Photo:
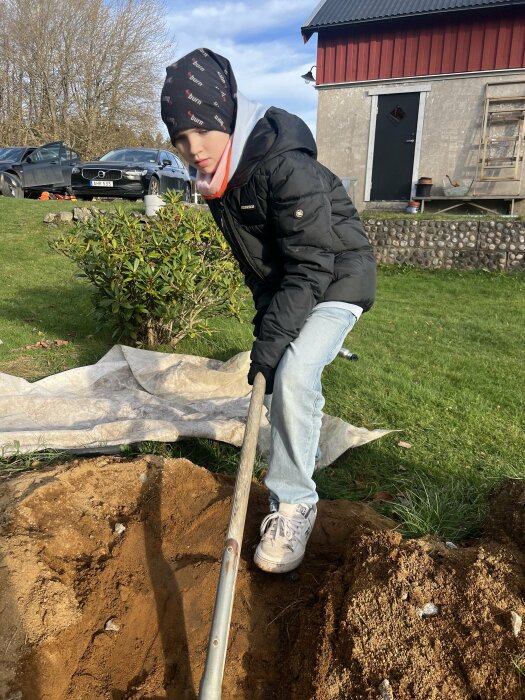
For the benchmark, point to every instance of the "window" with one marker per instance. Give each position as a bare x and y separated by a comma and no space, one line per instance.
397,114
176,161
11,155
45,154
70,154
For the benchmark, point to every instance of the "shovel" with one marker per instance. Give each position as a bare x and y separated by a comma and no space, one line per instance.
211,682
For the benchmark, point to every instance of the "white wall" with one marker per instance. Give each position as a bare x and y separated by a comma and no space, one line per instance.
449,138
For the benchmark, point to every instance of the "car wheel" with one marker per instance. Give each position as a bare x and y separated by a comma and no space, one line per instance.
11,186
154,186
86,197
186,197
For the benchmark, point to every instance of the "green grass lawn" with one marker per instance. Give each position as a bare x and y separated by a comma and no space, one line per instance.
441,360
41,294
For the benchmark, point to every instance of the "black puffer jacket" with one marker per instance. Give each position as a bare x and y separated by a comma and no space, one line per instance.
294,231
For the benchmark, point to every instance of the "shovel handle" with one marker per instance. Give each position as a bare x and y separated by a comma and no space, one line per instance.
211,682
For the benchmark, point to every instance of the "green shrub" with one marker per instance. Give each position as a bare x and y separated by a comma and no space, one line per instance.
157,279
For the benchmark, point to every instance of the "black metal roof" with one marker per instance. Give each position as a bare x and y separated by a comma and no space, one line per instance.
329,13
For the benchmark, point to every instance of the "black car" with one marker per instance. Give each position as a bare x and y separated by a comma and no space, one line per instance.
131,173
27,171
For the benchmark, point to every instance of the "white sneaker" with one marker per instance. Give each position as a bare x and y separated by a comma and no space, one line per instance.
284,535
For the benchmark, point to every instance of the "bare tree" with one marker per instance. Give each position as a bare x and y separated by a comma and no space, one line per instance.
88,72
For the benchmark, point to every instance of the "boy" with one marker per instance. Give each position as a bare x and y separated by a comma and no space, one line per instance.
304,255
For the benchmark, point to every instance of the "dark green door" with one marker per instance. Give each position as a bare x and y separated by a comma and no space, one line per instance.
394,146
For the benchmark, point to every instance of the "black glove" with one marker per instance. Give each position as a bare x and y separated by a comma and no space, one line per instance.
267,372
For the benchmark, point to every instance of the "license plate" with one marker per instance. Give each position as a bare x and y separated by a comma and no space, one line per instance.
101,183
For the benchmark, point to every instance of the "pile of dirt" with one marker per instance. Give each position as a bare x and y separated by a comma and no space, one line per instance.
109,572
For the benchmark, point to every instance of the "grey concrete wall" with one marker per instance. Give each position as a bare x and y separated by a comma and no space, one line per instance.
451,129
343,121
462,244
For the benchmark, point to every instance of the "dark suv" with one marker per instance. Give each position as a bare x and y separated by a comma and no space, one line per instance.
26,171
131,173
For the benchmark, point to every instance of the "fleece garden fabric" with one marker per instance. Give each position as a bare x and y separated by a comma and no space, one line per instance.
133,395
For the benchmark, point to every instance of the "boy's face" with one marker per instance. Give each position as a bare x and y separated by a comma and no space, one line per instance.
202,149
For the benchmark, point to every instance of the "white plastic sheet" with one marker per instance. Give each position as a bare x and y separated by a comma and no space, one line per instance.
133,395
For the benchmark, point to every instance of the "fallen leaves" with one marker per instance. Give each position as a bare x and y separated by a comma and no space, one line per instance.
46,344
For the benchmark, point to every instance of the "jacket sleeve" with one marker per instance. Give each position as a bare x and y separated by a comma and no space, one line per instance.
299,213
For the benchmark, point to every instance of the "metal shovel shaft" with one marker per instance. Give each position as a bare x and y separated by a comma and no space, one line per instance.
211,682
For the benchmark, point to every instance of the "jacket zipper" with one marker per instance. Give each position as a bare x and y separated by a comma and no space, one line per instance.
236,244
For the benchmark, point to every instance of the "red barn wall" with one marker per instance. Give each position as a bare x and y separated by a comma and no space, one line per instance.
422,46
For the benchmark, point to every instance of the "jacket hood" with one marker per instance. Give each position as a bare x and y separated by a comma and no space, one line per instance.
275,133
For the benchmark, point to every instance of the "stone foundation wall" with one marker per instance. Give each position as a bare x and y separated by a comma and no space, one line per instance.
447,244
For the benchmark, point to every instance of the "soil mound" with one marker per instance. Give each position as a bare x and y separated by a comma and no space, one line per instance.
109,572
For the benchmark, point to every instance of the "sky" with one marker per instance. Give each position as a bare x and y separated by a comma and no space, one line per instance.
263,42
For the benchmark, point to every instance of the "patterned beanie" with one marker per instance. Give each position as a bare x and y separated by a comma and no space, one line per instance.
199,93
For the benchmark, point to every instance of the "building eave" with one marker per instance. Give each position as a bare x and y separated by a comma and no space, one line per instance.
307,30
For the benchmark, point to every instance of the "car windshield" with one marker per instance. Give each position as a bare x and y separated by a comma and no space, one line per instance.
131,155
12,155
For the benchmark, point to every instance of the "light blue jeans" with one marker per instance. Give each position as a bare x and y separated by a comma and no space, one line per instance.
295,407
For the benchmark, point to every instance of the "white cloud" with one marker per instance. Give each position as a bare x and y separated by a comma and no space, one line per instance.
239,18
263,44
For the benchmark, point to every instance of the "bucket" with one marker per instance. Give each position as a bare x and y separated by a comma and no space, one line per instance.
152,203
455,188
412,208
424,187
423,190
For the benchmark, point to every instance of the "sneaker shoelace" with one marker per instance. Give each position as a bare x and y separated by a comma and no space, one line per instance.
278,525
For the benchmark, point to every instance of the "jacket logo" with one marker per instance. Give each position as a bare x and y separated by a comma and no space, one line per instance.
247,206
298,213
